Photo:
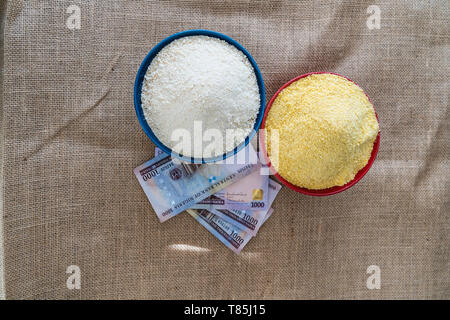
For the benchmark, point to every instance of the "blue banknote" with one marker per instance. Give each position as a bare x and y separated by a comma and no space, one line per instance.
249,193
249,220
173,186
229,234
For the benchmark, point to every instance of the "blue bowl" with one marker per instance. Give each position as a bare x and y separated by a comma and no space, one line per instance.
140,78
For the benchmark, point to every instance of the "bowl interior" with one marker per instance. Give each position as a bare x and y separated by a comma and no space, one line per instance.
138,89
311,192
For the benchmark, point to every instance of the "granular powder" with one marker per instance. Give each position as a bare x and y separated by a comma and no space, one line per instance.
327,128
204,82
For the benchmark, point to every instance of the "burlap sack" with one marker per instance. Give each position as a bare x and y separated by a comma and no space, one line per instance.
70,139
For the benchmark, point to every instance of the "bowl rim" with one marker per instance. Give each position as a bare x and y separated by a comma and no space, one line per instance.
319,192
138,91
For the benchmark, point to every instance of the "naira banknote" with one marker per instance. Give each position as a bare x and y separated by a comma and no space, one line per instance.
246,220
249,220
173,186
249,193
230,235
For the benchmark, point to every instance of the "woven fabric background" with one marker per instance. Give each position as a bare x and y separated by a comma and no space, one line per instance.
70,140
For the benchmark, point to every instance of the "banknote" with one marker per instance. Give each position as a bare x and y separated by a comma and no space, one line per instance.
249,220
173,186
246,220
249,193
231,236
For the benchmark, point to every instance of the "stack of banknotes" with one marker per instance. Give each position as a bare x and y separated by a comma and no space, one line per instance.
232,198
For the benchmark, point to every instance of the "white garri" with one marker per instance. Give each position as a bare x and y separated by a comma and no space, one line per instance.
206,81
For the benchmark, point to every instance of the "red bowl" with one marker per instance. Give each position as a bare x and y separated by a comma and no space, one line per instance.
311,192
